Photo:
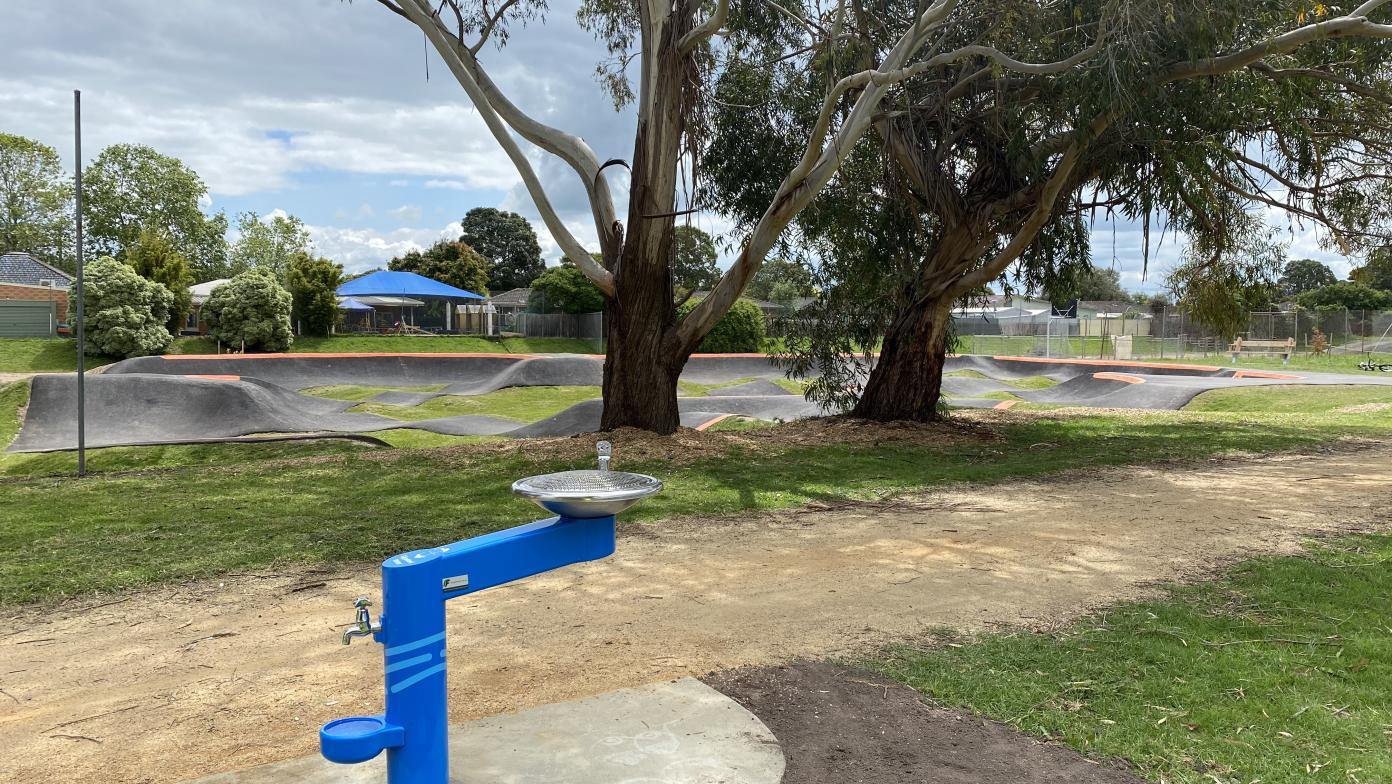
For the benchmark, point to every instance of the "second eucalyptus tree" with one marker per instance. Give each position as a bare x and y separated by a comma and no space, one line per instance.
985,169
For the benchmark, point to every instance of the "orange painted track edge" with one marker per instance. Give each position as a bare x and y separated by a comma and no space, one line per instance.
1005,405
332,355
1123,377
711,422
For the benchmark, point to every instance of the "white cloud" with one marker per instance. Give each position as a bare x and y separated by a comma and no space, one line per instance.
363,249
406,213
454,185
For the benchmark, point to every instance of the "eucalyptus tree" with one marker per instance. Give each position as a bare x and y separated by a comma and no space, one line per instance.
679,49
985,169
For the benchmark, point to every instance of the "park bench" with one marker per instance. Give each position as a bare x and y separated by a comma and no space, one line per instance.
1271,348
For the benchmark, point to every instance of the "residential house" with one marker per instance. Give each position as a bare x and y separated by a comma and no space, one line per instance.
33,296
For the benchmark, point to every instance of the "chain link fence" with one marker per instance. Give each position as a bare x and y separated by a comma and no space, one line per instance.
588,327
1170,333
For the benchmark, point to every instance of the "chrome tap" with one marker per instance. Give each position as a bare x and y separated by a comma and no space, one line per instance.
363,625
604,449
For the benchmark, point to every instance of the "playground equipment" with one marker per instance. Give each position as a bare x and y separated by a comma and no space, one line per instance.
415,586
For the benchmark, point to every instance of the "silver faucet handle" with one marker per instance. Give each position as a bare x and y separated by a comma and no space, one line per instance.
605,449
362,625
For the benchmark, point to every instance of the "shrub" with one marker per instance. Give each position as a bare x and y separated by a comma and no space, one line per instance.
565,289
124,314
251,311
741,330
155,258
313,285
1354,296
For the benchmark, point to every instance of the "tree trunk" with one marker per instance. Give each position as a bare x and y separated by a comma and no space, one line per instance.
645,356
644,360
906,382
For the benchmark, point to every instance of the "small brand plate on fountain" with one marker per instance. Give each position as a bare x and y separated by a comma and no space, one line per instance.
588,493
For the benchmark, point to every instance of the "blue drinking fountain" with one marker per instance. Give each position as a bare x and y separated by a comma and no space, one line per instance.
415,586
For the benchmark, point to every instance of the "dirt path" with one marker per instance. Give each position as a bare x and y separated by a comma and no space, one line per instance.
179,682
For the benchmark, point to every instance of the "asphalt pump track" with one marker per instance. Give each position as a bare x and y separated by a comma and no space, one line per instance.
209,398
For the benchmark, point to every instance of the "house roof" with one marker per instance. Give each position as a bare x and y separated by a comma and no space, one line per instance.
401,284
762,305
512,298
201,291
348,303
27,270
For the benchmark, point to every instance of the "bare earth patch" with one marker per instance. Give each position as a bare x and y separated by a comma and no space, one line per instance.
688,446
177,682
843,726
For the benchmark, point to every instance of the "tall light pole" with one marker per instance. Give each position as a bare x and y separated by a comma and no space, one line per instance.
81,335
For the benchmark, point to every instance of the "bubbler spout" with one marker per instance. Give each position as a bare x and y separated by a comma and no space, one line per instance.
363,625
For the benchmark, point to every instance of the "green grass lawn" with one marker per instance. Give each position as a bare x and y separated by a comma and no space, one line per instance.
123,530
1280,673
355,392
693,389
525,404
38,355
1332,363
1026,382
1368,403
24,355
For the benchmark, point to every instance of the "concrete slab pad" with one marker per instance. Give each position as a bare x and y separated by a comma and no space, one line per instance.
682,732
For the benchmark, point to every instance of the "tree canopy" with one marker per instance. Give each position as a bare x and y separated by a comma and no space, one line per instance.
1091,283
782,281
1027,119
1376,271
509,244
998,126
1345,294
693,261
313,283
564,289
131,187
268,243
35,202
448,261
154,258
1302,275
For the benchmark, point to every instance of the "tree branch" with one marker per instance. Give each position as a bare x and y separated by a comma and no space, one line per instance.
1266,69
1341,27
706,29
1039,217
452,51
489,25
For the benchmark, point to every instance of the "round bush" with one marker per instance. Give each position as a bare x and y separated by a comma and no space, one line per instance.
252,310
741,331
124,314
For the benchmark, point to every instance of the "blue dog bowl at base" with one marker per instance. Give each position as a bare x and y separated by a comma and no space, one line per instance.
358,739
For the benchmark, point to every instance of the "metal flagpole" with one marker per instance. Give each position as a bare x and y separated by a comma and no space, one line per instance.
81,333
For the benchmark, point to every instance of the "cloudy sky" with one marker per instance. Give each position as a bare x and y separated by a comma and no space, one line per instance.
323,109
